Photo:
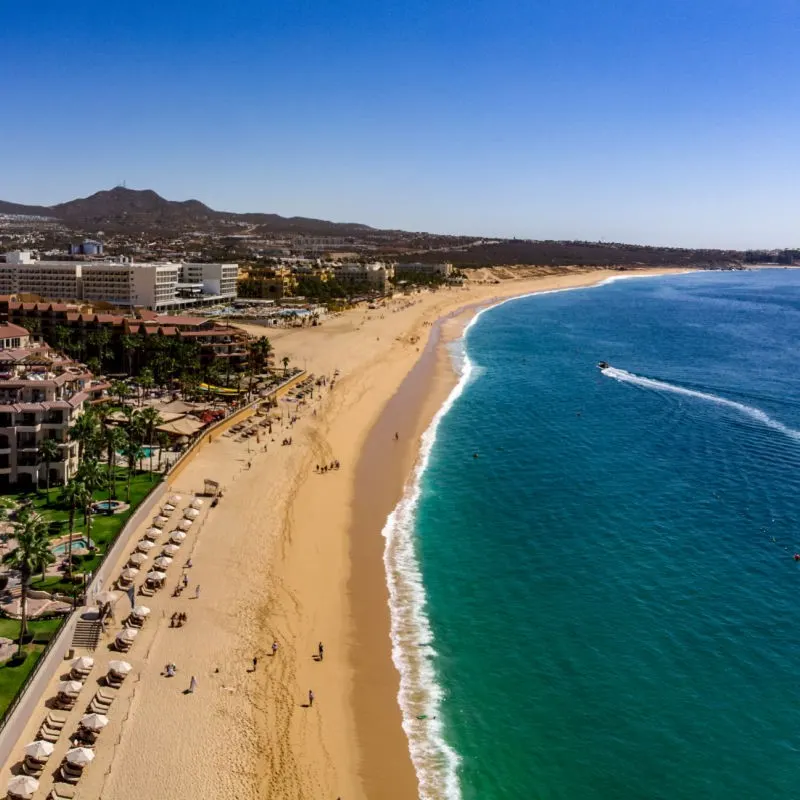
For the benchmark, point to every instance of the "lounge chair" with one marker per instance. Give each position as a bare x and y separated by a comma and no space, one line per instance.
69,773
32,768
62,791
114,681
48,734
54,719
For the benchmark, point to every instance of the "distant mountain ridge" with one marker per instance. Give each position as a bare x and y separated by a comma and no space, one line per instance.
122,209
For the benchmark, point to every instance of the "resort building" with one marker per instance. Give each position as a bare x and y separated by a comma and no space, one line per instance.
41,395
408,270
162,286
376,276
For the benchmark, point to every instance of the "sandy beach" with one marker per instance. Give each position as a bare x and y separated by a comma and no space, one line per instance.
293,556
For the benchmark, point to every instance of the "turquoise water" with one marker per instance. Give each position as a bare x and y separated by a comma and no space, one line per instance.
77,544
611,594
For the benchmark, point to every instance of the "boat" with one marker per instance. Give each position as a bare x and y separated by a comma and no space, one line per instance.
603,365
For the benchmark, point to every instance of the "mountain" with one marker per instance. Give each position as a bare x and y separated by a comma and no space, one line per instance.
132,210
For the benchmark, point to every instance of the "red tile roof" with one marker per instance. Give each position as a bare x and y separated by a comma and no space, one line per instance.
10,330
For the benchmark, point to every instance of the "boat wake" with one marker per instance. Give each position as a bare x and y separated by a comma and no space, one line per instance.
662,386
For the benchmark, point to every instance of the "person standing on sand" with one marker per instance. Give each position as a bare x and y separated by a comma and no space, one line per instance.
255,663
274,648
192,684
321,651
197,592
310,698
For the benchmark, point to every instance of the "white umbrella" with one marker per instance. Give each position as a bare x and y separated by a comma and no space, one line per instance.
168,508
94,722
83,663
196,503
155,575
138,558
101,598
39,750
80,756
70,688
145,545
119,667
170,549
127,634
129,573
175,499
162,562
177,536
23,786
191,513
140,611
153,533
160,521
185,524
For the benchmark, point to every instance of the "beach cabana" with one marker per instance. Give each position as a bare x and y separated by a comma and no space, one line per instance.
138,615
153,533
117,672
170,549
22,787
191,513
104,598
175,499
177,537
160,521
137,559
197,503
162,562
167,509
70,688
129,573
145,545
185,524
125,638
154,576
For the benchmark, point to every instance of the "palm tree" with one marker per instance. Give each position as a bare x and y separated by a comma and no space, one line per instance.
115,443
91,474
72,496
163,443
48,452
146,382
150,419
32,554
130,345
84,432
132,451
285,362
120,390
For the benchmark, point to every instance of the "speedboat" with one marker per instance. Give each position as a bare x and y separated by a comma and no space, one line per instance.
603,365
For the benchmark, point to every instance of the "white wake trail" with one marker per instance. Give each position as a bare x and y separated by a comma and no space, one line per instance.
754,413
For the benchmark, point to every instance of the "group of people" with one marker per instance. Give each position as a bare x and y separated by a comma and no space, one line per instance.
286,442
177,620
321,468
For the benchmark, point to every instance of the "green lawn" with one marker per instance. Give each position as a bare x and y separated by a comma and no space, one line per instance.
12,677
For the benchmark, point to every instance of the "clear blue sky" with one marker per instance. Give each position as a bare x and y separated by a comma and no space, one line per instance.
663,122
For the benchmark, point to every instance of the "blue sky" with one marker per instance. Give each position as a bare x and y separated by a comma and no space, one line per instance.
672,122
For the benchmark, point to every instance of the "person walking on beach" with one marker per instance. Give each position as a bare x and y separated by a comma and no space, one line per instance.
192,684
274,649
197,592
310,698
255,663
321,651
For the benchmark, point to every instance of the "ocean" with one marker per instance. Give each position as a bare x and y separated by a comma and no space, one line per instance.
592,579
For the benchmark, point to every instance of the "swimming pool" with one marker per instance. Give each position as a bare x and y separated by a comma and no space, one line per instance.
146,451
80,543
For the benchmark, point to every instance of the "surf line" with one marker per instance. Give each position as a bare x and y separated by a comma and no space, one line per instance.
650,383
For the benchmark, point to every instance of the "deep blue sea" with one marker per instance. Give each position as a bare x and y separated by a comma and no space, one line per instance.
604,603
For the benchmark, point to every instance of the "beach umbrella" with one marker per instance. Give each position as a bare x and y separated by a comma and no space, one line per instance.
101,598
177,536
39,750
175,499
119,667
22,786
153,533
140,611
83,663
170,549
129,573
162,562
157,576
80,756
145,545
185,524
191,513
196,503
160,521
168,509
138,558
94,722
127,634
70,688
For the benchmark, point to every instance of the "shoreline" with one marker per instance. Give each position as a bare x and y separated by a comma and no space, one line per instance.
296,556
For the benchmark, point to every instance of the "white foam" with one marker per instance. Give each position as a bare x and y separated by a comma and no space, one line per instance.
650,383
413,652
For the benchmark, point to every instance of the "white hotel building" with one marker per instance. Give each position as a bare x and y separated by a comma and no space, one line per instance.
157,286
